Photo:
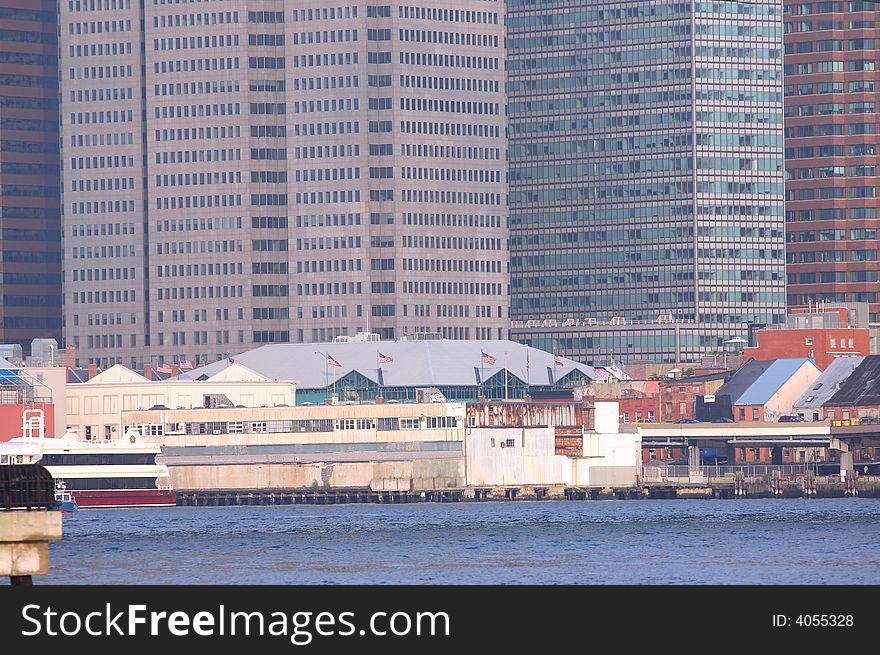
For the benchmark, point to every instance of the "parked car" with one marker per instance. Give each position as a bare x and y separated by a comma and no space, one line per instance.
645,420
721,420
791,418
687,420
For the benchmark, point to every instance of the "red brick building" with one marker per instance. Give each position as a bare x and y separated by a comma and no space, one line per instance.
822,345
831,152
680,396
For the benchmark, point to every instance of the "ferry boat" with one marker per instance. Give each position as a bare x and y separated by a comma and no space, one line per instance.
104,474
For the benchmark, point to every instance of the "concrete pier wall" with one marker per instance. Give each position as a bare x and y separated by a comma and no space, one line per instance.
415,475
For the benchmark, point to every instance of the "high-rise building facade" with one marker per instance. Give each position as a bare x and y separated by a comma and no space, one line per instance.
646,175
30,219
831,149
240,172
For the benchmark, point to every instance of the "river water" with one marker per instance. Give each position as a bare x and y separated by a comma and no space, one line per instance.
772,541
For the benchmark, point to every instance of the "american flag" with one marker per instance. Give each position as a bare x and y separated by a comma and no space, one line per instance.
385,359
165,368
186,365
488,359
332,362
557,360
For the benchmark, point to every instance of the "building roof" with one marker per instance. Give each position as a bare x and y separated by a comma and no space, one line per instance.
862,387
117,374
827,384
758,380
414,363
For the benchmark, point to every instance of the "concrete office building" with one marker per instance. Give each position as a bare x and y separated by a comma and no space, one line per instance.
249,171
831,84
646,175
30,220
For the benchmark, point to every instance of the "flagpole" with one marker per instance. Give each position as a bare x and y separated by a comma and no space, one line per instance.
505,376
528,370
482,375
378,375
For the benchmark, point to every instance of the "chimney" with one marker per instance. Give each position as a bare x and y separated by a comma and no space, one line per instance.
148,371
93,370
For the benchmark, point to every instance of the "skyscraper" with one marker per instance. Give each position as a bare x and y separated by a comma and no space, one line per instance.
30,220
831,84
269,171
646,175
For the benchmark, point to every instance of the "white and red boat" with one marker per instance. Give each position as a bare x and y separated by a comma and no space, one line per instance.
104,474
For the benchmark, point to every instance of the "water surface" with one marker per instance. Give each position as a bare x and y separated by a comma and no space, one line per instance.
750,541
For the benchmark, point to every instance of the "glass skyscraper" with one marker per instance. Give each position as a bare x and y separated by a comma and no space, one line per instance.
646,174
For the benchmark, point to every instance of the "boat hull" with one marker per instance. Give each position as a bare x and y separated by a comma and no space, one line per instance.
112,498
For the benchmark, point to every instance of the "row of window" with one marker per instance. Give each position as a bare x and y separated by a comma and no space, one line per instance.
448,83
222,223
448,61
452,265
231,291
193,42
459,197
103,297
90,274
831,108
95,117
829,214
346,150
826,193
830,297
189,270
342,127
454,243
449,174
456,220
321,197
328,243
187,156
340,104
830,129
854,150
200,133
195,19
99,27
449,38
199,179
193,65
101,207
828,277
831,256
194,88
188,202
454,288
110,139
829,45
103,184
192,247
328,265
193,111
198,315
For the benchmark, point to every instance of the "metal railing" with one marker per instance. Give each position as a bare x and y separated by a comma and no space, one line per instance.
26,486
658,473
